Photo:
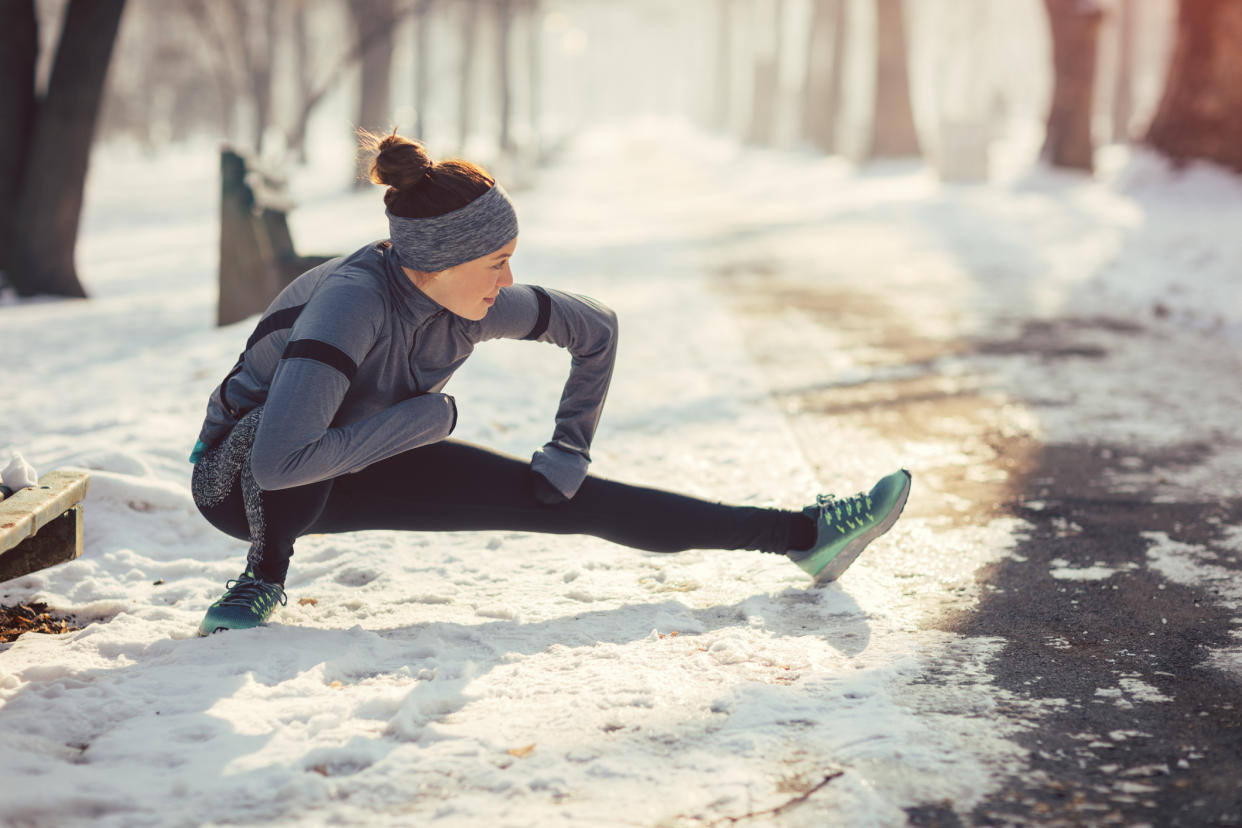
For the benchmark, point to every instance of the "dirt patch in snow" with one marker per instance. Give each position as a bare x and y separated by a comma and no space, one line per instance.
35,617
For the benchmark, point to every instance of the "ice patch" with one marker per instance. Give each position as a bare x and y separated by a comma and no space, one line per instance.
1228,660
1184,563
1098,572
1142,691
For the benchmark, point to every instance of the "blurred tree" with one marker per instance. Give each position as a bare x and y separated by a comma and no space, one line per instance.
202,21
504,66
892,129
825,61
767,89
723,75
1075,35
303,80
534,55
1200,112
19,52
45,143
375,79
240,35
254,27
156,87
1123,78
377,28
422,66
465,75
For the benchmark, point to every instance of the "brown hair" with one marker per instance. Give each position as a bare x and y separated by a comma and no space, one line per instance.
417,186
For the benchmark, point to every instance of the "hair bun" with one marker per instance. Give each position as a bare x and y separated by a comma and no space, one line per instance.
399,162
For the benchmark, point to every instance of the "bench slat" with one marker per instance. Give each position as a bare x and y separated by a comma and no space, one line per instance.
26,511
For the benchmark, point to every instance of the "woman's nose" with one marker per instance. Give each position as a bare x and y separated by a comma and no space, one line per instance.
506,278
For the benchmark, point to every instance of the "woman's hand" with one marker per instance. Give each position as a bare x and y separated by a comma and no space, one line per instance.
545,492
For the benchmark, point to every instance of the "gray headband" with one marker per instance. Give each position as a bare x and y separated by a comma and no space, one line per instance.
431,244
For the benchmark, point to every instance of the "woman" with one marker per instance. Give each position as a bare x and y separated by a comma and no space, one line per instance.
334,420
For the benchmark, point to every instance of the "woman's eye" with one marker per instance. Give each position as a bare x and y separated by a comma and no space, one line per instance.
500,266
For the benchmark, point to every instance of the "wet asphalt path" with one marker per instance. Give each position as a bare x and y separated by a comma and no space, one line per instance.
1128,722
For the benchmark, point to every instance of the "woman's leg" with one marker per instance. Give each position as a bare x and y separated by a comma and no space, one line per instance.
452,485
226,493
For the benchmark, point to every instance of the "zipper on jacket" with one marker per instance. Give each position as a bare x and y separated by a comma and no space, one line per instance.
418,390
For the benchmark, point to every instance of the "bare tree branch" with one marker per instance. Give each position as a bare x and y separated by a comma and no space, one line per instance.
364,41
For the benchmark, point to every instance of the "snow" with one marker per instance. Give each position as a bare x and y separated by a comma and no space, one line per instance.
513,679
1098,572
18,474
1185,563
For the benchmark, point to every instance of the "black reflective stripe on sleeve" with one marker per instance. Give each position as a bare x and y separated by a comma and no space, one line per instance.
545,313
321,352
277,321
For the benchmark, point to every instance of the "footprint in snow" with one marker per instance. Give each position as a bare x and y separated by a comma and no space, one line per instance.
355,577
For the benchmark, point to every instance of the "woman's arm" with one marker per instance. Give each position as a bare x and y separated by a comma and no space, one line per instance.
588,330
296,443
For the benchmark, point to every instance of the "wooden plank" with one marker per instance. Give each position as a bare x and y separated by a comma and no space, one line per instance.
27,511
57,542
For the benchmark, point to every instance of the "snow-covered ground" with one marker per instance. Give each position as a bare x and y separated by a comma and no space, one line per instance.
515,679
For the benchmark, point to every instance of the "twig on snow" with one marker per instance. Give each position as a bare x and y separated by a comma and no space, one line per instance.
784,806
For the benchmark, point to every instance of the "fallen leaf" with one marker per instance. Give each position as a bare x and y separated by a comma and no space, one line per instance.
336,685
322,770
304,601
522,752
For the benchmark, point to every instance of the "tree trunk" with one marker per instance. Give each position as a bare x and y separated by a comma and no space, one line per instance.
303,84
767,90
892,130
19,53
422,66
470,18
504,60
50,205
724,65
535,78
1200,112
1123,80
1075,36
374,98
261,74
825,60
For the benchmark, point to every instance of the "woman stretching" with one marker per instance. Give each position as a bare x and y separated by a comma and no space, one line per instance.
334,420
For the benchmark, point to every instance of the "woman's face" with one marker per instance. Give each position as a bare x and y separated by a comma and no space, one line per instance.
470,288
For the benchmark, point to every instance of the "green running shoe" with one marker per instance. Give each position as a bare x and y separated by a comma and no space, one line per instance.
845,527
247,602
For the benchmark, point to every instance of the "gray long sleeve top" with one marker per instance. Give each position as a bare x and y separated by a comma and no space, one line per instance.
349,362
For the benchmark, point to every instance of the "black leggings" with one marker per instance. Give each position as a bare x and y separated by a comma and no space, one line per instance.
452,485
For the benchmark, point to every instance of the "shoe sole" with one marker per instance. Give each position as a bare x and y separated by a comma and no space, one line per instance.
836,567
203,632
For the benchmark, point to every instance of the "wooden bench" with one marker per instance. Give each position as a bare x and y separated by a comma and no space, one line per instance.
257,256
42,526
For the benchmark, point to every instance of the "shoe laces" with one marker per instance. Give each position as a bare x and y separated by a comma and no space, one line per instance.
246,591
850,511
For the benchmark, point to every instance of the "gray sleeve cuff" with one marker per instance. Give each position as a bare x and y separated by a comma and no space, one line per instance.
563,469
